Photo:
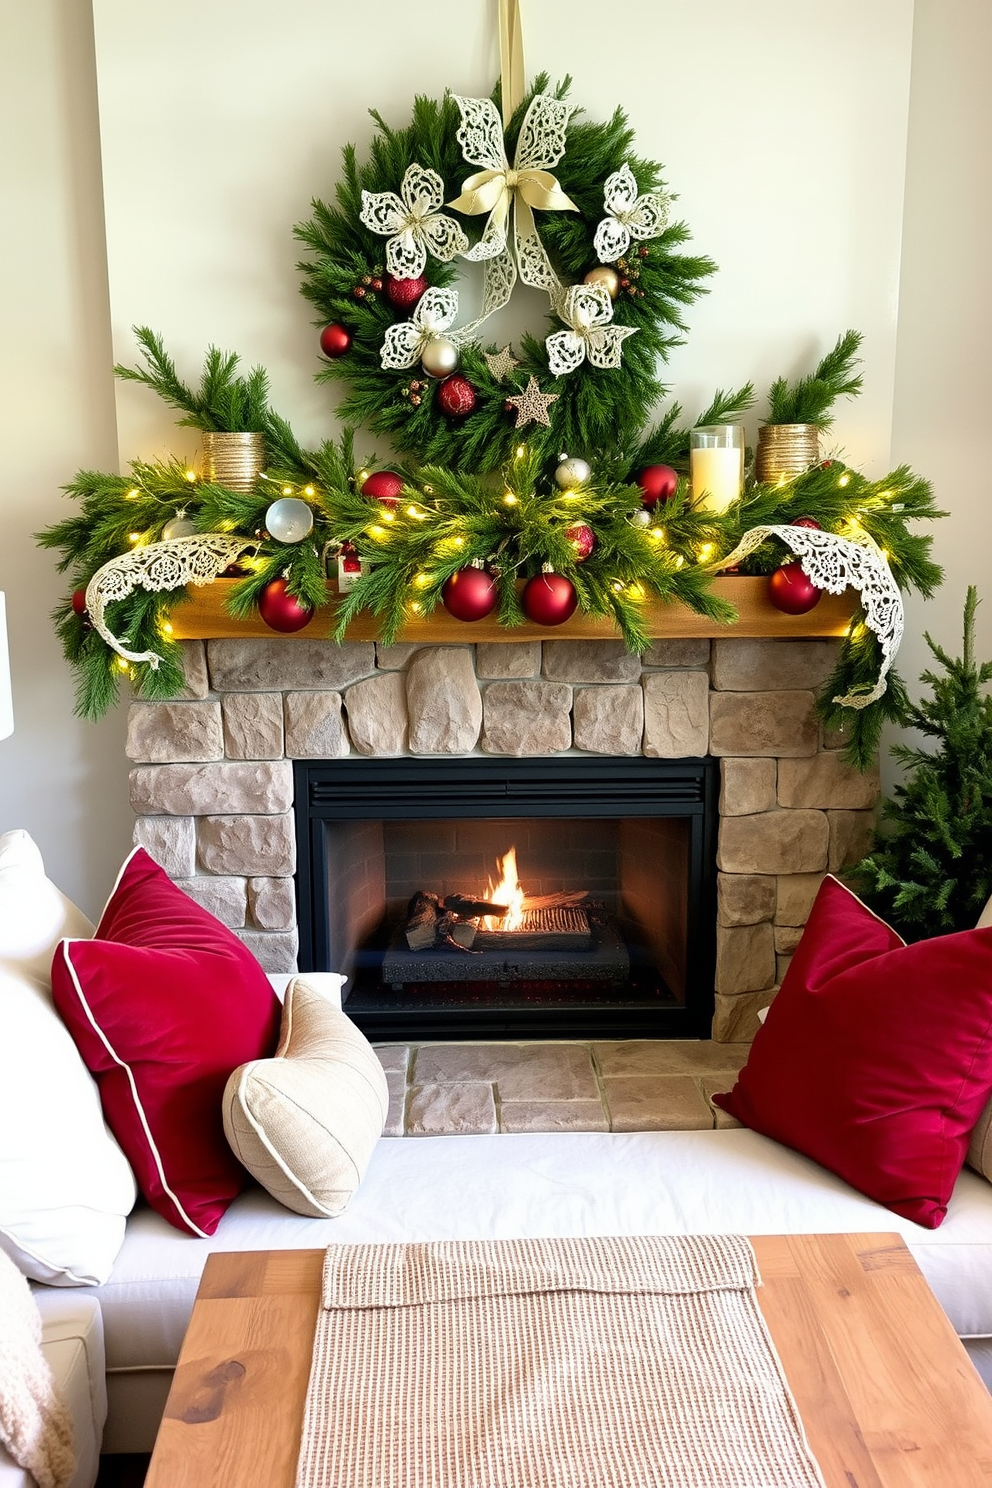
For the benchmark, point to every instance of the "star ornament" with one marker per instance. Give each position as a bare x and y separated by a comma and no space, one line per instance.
532,405
500,363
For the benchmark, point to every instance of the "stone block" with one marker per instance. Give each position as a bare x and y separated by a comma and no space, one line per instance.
696,1057
249,845
735,1019
743,665
747,786
656,1103
394,1058
174,733
787,937
609,719
272,903
200,790
782,964
782,724
524,718
550,1115
273,952
394,658
745,958
253,727
225,898
826,780
590,661
676,715
851,836
836,738
194,670
559,1070
396,1115
315,727
377,716
796,892
443,701
679,651
722,1120
170,840
745,898
499,661
451,1110
774,842
261,665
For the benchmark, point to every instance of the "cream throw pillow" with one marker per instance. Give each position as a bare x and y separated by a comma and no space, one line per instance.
305,1122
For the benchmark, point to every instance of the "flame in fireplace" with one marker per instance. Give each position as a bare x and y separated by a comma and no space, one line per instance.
507,891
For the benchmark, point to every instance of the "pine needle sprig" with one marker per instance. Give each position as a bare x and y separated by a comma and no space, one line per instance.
225,402
810,399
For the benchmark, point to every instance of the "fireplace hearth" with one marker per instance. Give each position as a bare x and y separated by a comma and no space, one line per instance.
616,863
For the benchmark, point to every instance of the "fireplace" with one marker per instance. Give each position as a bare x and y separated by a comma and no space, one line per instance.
618,855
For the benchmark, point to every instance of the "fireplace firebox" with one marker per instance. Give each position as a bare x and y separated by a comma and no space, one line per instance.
614,862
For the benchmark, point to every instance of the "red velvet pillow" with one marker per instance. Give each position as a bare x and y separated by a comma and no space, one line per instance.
876,1056
163,1004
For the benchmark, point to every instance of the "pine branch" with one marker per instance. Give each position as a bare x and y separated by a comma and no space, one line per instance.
809,400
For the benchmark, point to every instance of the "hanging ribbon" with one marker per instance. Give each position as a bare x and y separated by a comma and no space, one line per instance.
836,563
511,58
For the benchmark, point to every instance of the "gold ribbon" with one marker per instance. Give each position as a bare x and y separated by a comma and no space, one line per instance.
511,58
493,191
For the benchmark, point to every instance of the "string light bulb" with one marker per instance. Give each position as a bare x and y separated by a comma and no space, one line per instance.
191,475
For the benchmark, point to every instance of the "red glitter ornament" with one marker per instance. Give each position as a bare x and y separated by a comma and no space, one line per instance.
335,340
79,601
383,485
469,594
810,522
403,294
657,483
549,599
791,591
282,611
456,396
581,540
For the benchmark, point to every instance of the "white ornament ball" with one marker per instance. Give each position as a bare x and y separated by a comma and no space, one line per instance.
641,518
178,527
440,357
573,472
289,520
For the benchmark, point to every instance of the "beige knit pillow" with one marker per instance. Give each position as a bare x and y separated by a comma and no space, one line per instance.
305,1122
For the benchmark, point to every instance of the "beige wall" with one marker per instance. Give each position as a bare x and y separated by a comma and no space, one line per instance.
64,780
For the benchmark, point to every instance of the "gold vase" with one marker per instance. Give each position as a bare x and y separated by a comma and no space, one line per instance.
785,451
232,460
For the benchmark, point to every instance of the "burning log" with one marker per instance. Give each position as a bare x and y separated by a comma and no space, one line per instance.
467,909
430,922
423,916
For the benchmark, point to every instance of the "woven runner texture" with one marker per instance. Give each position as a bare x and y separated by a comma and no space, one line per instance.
586,1363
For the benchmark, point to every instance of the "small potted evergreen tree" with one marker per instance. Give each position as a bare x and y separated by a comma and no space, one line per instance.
789,439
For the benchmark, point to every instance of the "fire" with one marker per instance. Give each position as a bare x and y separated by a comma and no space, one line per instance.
507,891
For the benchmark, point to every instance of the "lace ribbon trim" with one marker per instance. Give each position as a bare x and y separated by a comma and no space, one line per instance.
836,563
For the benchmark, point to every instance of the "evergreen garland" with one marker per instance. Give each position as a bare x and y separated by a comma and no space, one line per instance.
930,871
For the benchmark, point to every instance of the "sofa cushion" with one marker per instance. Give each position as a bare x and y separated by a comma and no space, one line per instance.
876,1056
305,1122
65,1185
164,1002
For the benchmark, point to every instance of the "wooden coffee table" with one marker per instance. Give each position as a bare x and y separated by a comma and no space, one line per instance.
887,1394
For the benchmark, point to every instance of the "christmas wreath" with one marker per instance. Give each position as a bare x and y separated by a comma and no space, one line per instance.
528,484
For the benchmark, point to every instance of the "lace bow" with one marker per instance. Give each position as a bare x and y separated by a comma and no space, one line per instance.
413,224
629,215
406,340
587,310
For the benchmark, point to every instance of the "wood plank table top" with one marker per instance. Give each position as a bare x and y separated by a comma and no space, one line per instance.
887,1393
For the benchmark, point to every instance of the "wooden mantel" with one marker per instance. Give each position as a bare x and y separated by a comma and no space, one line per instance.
204,616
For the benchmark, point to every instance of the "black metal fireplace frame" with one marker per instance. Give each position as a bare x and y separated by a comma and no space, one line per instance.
482,786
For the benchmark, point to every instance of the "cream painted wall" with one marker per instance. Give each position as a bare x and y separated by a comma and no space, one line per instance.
66,781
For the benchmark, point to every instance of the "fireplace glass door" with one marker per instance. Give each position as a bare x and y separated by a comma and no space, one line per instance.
482,898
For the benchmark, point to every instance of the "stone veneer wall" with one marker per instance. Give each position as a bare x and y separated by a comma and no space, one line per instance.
212,783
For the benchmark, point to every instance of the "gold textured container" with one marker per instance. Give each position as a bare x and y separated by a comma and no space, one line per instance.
232,460
785,450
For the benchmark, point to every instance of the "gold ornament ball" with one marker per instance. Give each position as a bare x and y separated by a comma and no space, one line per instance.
440,357
609,278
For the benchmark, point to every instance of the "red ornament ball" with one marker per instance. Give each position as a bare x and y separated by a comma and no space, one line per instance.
383,485
335,340
79,601
581,540
403,294
657,483
791,591
810,522
469,594
549,599
281,611
456,396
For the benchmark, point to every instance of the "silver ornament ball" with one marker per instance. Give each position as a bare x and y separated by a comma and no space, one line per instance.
641,519
178,527
289,520
572,472
440,357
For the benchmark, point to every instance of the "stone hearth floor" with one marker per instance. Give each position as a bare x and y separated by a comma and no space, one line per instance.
628,1086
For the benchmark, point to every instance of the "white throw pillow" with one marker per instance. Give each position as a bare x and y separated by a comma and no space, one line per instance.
305,1122
65,1185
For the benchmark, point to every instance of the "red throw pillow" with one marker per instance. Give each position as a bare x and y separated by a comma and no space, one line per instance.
163,1004
876,1056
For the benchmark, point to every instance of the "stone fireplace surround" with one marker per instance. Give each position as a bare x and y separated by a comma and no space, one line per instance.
212,777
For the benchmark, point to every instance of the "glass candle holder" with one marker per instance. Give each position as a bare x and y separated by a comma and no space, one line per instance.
716,465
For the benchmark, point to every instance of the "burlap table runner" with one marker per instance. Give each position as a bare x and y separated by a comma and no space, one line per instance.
589,1363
